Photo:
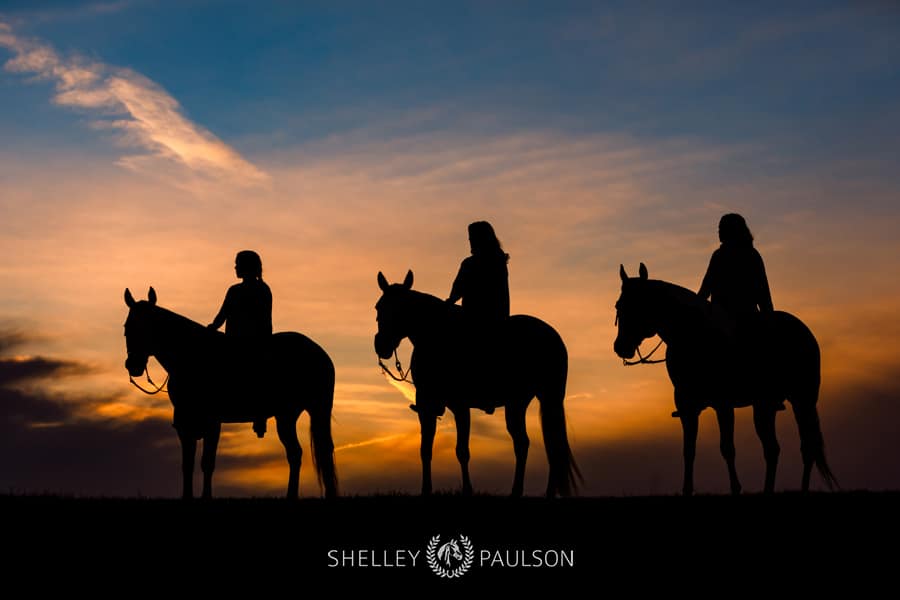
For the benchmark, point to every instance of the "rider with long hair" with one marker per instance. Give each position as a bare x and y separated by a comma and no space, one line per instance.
483,279
736,277
247,314
482,284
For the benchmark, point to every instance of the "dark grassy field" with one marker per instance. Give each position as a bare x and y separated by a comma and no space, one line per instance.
784,540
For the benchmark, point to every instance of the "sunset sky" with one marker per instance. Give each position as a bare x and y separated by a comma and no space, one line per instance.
146,142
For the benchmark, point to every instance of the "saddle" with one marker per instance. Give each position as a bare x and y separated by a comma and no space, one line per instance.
738,353
248,366
487,345
484,348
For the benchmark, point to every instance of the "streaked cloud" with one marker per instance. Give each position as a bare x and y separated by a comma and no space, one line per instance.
144,116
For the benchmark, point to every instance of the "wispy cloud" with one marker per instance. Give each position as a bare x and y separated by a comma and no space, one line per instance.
146,117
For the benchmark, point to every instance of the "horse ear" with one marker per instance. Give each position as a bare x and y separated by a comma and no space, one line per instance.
643,272
382,282
129,299
407,281
622,272
151,295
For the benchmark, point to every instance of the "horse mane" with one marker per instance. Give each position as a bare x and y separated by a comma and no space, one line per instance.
179,320
680,294
432,302
691,308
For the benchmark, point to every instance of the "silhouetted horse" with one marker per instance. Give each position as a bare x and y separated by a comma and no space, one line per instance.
534,363
779,360
211,382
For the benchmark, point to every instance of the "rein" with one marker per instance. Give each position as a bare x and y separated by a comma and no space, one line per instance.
644,360
386,369
158,389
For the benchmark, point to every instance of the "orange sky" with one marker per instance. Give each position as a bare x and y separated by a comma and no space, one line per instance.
324,228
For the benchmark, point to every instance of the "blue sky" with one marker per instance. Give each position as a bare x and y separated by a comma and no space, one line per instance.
804,76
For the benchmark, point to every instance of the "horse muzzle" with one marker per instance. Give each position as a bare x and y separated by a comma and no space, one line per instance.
623,350
135,368
383,348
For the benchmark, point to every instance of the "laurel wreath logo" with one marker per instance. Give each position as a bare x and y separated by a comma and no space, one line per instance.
438,568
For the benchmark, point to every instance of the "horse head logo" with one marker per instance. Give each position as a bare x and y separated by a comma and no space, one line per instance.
447,550
450,559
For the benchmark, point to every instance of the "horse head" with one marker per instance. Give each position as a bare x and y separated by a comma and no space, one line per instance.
392,312
449,549
632,314
139,332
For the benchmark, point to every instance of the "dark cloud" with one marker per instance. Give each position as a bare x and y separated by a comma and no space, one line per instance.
11,338
15,370
46,447
90,458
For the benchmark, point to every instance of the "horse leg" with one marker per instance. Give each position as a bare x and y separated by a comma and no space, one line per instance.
463,427
764,421
515,425
725,416
689,424
428,425
208,460
188,450
287,433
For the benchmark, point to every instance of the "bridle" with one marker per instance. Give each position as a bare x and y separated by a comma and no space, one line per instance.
642,360
386,369
156,388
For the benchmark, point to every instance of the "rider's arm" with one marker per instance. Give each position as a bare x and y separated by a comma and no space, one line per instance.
706,286
456,292
223,314
763,294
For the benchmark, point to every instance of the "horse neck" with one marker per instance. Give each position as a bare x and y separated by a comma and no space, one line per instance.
428,317
677,311
176,338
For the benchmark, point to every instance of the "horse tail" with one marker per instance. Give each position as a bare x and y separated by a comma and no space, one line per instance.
812,442
564,473
320,439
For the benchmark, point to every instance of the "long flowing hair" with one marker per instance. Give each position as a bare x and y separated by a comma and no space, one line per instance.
733,231
484,241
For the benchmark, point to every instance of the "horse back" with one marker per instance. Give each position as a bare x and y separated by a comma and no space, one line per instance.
232,383
524,351
775,355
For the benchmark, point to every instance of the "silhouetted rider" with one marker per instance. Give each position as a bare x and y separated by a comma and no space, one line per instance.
736,280
247,314
736,277
483,286
483,279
